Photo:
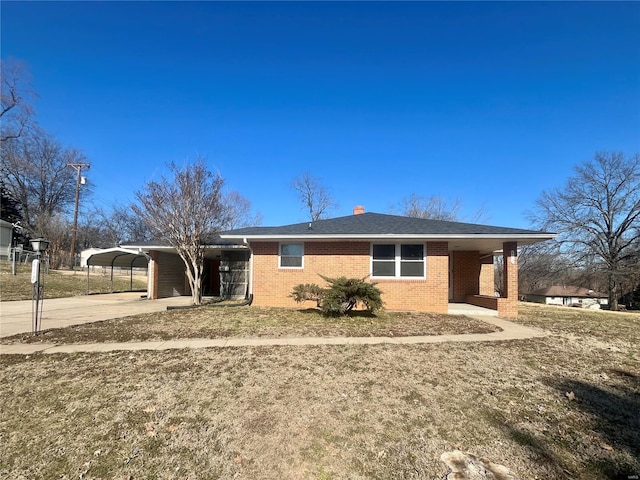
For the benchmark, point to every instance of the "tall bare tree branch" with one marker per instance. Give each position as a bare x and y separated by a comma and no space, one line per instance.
314,197
436,207
17,97
597,214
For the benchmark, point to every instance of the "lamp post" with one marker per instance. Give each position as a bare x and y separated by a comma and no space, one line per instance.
39,246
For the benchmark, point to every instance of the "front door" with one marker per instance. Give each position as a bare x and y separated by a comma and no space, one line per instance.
211,278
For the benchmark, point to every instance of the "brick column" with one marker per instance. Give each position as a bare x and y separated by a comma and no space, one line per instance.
508,306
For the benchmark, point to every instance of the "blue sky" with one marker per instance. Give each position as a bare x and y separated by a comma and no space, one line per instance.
488,102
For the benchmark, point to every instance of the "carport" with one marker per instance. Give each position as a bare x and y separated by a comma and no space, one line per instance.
117,257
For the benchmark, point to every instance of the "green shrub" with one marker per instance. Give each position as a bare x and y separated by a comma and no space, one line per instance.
307,292
341,296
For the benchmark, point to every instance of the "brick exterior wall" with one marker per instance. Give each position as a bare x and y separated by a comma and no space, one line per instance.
487,276
272,285
473,280
466,274
485,301
472,275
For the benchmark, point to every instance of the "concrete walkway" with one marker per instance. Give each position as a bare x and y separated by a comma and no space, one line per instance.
510,331
15,317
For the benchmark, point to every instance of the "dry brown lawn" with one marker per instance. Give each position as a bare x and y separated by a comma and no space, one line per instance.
60,284
564,406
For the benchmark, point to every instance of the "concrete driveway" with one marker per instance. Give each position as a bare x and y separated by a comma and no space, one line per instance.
15,317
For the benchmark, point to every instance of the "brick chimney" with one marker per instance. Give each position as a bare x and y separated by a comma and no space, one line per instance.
358,210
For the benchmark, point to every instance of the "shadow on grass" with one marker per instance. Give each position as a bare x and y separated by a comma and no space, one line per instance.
615,415
612,412
537,448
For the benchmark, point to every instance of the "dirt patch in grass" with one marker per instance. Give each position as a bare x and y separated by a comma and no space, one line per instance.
222,322
545,408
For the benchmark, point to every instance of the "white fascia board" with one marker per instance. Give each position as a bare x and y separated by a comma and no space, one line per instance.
442,237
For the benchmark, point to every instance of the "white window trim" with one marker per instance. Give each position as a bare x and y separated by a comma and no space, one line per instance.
280,256
398,261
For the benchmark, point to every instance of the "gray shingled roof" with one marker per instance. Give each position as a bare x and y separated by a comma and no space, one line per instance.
379,224
213,241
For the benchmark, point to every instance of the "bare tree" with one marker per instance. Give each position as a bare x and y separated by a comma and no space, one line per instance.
314,197
35,173
597,215
542,265
435,207
119,225
239,212
57,229
17,96
186,210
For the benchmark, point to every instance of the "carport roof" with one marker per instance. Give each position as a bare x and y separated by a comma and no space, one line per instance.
118,257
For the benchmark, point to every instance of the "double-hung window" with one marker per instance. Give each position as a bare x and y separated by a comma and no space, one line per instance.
398,260
291,255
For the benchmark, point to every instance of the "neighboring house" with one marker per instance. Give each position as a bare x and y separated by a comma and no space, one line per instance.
418,264
225,270
6,239
86,253
569,296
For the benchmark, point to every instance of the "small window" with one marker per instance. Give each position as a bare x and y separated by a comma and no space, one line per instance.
398,260
291,255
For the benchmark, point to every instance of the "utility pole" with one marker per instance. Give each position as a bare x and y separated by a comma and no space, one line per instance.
78,166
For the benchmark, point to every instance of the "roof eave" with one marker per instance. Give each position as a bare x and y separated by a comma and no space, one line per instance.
395,236
169,247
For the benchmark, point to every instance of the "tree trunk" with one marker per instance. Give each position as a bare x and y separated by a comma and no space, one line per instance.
196,288
195,282
196,291
613,292
194,275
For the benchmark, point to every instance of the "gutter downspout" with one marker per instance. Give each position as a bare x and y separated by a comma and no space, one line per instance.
250,279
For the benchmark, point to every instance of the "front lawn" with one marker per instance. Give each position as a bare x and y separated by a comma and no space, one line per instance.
559,407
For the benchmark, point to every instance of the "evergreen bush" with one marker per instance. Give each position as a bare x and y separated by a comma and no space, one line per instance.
341,296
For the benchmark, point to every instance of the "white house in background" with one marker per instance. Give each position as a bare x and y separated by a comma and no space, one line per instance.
6,239
568,295
86,253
